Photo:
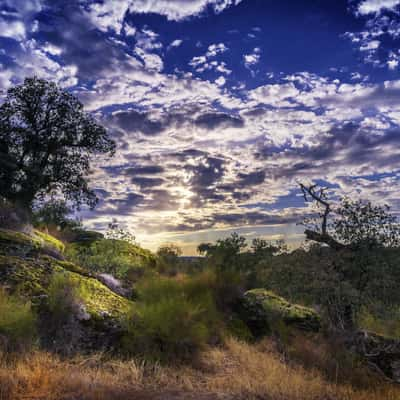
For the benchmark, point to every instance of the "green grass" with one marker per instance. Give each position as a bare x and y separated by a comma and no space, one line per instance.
172,319
17,323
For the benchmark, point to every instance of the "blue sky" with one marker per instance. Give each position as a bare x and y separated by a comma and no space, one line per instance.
220,107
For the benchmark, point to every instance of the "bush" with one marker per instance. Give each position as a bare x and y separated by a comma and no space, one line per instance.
172,319
17,323
109,256
61,331
228,287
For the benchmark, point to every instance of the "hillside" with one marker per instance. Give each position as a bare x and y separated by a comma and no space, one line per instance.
273,348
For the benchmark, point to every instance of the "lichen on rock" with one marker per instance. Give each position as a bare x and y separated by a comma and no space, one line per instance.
261,309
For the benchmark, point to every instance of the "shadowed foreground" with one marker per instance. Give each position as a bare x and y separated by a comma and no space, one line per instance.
238,371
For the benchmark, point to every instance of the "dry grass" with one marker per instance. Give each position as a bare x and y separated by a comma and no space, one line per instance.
238,371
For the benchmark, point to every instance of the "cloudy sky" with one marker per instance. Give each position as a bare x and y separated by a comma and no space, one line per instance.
220,107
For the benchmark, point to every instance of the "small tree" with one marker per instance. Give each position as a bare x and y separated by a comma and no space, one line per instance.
46,144
358,233
115,232
263,249
225,253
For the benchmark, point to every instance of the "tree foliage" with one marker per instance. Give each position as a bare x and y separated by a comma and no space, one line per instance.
46,144
115,232
54,213
355,268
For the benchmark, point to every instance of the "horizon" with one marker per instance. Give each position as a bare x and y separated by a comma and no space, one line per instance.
220,107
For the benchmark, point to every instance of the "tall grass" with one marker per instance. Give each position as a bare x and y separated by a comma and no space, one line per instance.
17,323
172,319
235,371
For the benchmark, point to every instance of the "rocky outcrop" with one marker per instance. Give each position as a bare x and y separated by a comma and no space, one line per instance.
262,310
23,245
381,353
27,267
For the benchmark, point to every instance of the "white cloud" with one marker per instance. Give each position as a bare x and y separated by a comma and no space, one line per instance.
129,30
12,29
393,64
176,43
177,9
215,49
207,61
220,81
253,58
109,14
375,6
371,45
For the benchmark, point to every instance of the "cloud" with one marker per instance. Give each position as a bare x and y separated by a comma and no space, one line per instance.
12,29
145,182
176,43
375,6
214,120
207,62
177,10
252,58
135,121
109,15
378,41
196,152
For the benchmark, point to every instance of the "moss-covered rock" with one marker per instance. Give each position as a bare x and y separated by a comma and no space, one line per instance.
48,241
23,245
28,267
31,278
262,310
18,243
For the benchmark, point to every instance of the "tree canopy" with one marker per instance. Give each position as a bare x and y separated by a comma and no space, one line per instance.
47,141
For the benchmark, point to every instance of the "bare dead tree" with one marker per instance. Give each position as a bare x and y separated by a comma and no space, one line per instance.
314,193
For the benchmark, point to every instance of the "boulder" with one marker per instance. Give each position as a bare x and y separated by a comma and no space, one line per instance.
27,267
30,245
262,310
382,353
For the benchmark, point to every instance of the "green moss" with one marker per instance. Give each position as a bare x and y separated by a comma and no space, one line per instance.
263,308
31,278
49,241
98,299
21,244
18,243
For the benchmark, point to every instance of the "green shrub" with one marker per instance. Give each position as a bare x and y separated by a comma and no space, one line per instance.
17,323
172,319
63,295
116,257
60,328
386,323
238,329
228,286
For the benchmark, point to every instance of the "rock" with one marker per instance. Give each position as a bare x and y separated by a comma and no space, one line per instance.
382,353
261,309
82,314
29,245
114,284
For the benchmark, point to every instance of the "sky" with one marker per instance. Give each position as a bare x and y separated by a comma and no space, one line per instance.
219,108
